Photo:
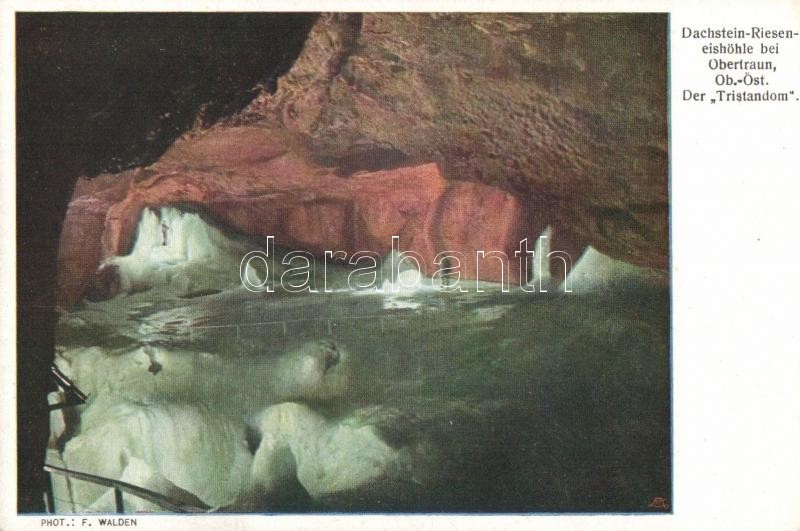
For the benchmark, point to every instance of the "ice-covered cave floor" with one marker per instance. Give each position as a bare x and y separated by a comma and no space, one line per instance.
427,401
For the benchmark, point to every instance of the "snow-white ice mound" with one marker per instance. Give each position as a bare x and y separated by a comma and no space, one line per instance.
140,474
190,446
592,271
174,422
313,370
325,456
597,271
181,252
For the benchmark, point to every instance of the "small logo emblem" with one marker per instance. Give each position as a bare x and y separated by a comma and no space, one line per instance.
659,503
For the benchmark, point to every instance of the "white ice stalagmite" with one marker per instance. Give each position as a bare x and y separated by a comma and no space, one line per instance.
540,266
402,277
401,280
182,252
597,271
592,272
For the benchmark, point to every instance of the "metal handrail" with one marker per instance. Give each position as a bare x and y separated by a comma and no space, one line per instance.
120,487
75,396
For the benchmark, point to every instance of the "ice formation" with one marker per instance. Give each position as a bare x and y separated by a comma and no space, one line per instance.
174,421
311,371
197,450
140,474
326,456
182,252
592,271
596,271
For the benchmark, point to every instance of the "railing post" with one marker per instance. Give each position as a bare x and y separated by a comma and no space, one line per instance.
49,499
118,500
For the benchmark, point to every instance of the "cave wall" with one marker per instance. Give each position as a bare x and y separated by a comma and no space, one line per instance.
248,179
569,111
100,92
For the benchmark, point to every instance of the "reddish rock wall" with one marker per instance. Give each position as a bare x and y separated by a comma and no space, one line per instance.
457,132
248,180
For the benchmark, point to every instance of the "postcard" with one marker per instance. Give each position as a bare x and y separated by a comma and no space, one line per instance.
314,267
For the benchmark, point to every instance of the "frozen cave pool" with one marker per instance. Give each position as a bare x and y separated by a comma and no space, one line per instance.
336,402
